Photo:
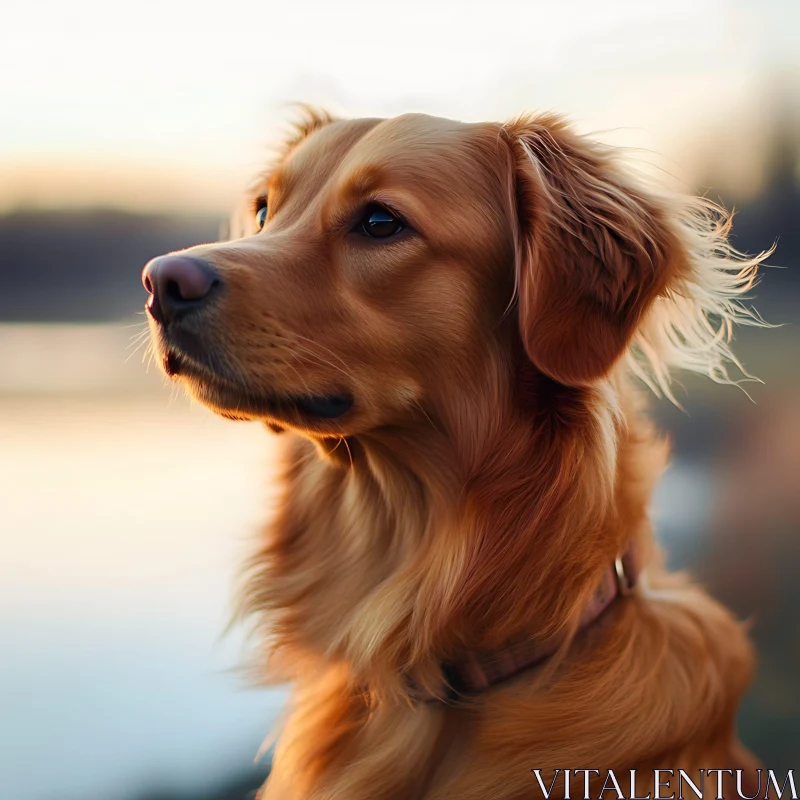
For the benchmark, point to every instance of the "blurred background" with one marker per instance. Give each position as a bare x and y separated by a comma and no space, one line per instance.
124,510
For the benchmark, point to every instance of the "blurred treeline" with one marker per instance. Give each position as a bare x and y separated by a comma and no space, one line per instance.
83,266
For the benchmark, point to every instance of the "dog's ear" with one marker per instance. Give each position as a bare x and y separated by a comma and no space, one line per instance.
594,250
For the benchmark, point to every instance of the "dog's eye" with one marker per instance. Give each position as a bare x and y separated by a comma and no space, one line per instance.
261,216
379,223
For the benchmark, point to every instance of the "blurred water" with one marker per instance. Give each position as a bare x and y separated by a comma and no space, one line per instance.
123,522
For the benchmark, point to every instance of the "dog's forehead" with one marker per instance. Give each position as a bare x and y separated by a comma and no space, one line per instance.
323,150
417,145
417,133
414,143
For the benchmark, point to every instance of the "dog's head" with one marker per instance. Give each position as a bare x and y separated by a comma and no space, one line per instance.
391,268
455,299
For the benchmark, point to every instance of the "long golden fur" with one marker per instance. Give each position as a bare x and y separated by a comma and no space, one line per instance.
496,458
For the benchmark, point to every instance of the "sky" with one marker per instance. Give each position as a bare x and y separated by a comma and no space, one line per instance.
172,105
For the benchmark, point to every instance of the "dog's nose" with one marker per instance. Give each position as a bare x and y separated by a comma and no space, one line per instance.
177,285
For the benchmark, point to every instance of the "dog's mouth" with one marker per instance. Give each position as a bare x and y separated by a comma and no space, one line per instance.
230,398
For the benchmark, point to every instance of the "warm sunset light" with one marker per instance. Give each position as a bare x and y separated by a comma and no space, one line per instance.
171,106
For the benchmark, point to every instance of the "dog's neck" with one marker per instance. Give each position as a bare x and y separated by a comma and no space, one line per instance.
396,552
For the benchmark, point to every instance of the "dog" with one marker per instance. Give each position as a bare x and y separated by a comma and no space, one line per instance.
455,326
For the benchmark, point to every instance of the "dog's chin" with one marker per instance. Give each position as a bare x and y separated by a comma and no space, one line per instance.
230,399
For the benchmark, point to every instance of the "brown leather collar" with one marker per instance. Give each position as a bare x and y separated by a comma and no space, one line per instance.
477,672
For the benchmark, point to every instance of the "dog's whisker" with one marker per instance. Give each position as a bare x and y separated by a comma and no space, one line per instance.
292,352
138,347
136,343
321,347
322,361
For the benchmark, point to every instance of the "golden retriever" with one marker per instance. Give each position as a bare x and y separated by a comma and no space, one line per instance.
449,321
